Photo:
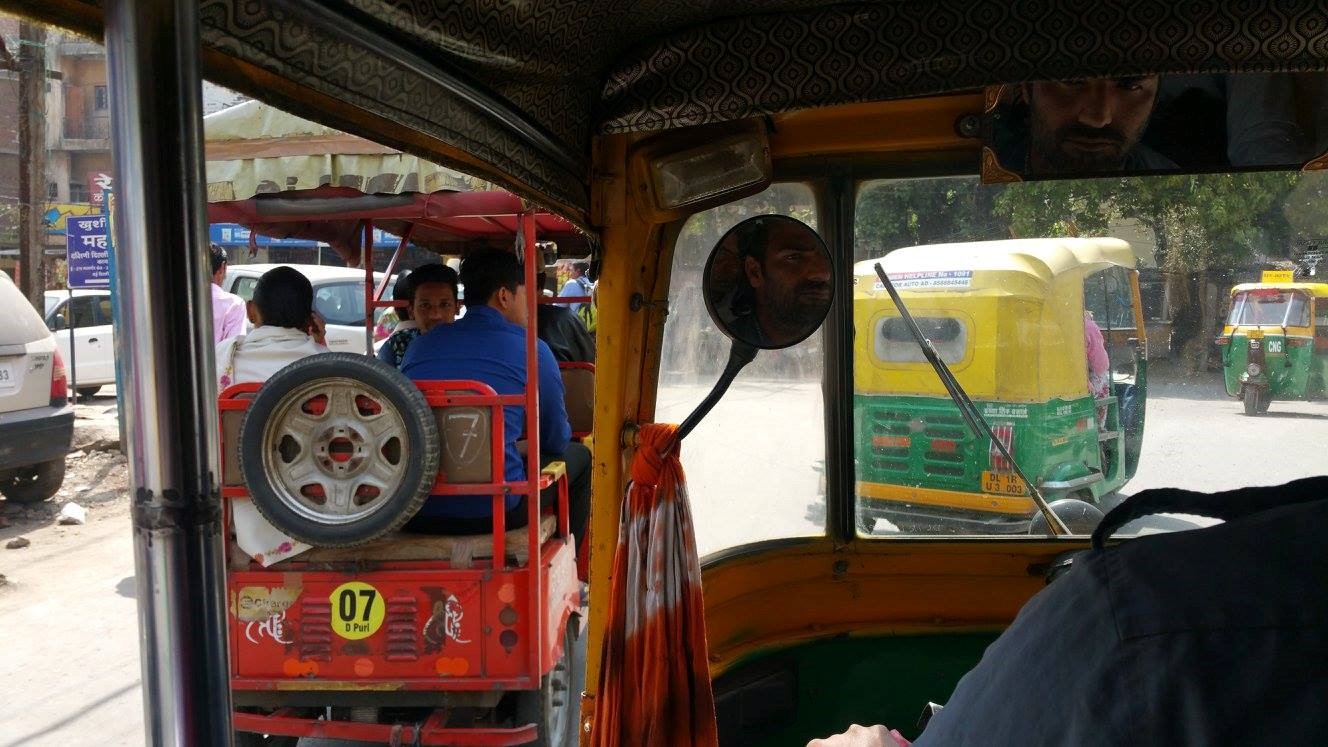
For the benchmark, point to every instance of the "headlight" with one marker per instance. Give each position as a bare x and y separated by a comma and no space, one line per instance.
1253,369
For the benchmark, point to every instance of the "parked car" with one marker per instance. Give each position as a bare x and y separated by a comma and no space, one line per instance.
36,419
89,312
338,298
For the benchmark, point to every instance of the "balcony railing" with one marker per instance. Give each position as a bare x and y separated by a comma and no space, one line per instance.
92,128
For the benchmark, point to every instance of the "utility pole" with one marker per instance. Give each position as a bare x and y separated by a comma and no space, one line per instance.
32,159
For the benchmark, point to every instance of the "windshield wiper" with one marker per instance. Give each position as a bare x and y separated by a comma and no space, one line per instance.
976,423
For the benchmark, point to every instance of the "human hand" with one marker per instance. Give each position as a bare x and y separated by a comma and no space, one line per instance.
862,736
317,328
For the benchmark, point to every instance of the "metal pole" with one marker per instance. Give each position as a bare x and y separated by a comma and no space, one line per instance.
73,353
169,394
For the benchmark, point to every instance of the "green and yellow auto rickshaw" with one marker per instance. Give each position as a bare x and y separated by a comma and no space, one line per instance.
1275,343
1008,318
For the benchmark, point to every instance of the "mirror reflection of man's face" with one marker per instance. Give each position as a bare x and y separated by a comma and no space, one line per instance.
1087,125
791,282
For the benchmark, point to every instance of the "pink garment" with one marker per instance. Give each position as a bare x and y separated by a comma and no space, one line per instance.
1099,365
228,315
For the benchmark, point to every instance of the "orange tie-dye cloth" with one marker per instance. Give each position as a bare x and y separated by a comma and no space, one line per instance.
654,681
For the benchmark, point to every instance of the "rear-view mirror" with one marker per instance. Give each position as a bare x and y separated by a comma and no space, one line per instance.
769,282
1155,124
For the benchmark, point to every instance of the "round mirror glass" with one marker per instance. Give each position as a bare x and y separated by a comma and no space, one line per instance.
769,282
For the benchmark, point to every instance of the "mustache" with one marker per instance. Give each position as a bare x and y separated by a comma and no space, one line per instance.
1091,133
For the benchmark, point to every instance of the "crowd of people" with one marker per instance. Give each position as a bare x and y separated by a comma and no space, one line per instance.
434,339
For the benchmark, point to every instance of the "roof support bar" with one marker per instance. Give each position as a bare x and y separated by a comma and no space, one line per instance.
165,376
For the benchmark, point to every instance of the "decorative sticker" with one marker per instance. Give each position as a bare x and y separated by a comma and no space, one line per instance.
357,610
274,627
945,279
260,603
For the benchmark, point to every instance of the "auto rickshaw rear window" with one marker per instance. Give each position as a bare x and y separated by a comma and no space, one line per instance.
895,344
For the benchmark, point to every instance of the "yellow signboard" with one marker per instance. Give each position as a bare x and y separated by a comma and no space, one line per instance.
1278,276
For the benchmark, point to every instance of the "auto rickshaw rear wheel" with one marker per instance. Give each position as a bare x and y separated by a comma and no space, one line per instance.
338,449
556,706
1256,400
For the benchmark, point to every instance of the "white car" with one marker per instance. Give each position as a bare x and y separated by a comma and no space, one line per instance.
338,298
36,419
94,341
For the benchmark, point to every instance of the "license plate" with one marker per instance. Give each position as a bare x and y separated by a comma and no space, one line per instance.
1002,483
8,377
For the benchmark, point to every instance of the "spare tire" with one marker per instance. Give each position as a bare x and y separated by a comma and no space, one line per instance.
338,449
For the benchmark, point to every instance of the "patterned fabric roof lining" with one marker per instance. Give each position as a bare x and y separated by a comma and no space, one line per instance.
550,57
575,67
762,65
312,55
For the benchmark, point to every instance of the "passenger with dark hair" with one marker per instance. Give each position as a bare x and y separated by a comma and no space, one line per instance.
577,285
561,329
287,329
488,344
431,292
228,312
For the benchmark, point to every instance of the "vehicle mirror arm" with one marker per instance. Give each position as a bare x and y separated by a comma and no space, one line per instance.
740,354
976,423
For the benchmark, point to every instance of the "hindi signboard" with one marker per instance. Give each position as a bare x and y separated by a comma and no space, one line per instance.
89,251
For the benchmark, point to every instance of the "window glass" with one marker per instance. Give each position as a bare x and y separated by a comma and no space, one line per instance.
340,303
754,465
85,311
244,287
102,314
1084,318
1270,306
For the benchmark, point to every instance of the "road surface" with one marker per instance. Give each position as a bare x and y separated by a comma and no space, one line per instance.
70,649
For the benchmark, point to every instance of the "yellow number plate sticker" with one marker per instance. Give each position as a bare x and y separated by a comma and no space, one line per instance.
357,610
1002,483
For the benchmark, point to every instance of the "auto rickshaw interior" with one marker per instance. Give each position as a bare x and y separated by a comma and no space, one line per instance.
816,605
1063,209
822,609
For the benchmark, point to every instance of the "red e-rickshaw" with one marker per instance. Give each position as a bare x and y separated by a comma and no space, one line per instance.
375,634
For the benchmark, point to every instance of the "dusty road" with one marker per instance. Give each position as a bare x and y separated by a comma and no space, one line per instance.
70,648
749,464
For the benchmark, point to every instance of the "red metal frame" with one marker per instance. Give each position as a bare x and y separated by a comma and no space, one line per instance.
284,723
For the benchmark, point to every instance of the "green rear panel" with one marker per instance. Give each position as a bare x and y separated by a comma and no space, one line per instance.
1048,441
1291,371
790,696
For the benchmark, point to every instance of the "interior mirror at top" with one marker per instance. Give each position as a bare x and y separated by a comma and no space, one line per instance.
1155,124
769,282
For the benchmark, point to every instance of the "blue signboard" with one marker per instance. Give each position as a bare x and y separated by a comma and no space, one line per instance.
233,234
87,240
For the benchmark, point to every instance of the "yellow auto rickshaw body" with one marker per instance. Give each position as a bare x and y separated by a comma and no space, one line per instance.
1008,319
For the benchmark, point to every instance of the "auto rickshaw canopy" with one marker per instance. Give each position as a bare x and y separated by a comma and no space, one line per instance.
1318,290
1017,308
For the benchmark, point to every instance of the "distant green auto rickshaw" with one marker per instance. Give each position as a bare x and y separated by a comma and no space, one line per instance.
1275,343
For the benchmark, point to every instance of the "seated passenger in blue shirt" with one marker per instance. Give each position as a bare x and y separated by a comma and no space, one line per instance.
488,345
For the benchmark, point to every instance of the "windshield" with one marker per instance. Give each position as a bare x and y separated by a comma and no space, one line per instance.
1270,306
1080,318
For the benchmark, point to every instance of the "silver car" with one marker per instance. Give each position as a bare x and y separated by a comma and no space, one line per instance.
36,419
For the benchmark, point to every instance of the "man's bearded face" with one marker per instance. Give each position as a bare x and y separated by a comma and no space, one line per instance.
793,279
1087,125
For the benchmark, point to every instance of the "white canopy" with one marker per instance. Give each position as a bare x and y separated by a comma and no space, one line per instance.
253,148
